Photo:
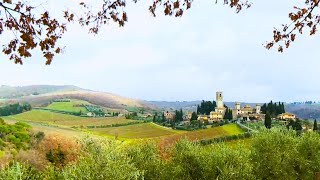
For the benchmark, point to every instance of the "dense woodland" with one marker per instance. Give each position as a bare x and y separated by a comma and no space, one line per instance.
273,109
206,107
16,108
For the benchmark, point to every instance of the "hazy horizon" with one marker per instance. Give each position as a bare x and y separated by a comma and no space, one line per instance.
209,49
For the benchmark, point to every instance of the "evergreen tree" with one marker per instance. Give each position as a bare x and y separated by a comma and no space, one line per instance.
228,114
315,125
194,116
268,121
181,115
282,108
298,125
264,108
198,109
163,118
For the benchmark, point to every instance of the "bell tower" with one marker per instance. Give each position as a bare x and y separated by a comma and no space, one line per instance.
219,100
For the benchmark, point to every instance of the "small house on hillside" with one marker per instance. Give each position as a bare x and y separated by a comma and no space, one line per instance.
91,114
286,116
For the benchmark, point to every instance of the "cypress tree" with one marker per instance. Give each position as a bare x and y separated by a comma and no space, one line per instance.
194,116
163,118
315,125
181,115
267,121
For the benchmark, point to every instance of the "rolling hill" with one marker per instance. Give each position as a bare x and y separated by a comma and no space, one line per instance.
42,95
8,92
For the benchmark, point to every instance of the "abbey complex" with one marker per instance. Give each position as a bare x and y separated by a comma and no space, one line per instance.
238,111
219,111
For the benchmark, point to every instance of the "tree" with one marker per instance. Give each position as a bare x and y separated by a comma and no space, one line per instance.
33,27
155,117
297,125
315,125
206,107
228,114
181,115
268,121
194,116
274,109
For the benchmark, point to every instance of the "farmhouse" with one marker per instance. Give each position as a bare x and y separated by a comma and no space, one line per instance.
90,114
202,118
168,115
287,116
188,116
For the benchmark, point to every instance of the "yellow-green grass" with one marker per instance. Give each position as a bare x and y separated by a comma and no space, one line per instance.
209,133
68,106
145,130
235,143
66,119
97,121
232,129
44,116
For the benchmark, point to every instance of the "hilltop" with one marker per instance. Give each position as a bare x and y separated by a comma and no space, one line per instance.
42,95
8,92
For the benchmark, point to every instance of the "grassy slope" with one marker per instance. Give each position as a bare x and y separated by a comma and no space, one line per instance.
229,129
68,106
167,135
64,119
146,130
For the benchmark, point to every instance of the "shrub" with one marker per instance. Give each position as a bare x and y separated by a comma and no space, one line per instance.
39,136
59,150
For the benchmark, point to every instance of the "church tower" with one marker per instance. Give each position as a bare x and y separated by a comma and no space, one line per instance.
219,100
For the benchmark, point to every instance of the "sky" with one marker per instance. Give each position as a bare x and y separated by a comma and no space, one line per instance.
209,49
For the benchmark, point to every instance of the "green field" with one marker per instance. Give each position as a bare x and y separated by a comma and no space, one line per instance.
209,133
68,106
146,130
166,135
65,119
232,129
137,131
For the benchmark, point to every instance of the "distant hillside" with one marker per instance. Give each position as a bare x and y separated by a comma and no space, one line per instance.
188,105
41,95
304,111
168,105
9,92
99,98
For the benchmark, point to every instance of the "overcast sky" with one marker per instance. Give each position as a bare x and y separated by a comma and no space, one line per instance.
210,48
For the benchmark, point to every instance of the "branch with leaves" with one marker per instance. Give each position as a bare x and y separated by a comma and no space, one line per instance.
31,29
302,19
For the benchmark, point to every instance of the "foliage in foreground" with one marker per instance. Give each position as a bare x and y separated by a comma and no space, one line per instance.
271,154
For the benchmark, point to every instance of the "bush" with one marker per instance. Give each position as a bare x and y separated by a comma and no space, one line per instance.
39,136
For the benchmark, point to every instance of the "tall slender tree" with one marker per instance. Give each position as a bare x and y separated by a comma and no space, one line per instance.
268,121
315,125
194,116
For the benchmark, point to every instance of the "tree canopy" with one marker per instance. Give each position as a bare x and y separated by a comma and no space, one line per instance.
34,28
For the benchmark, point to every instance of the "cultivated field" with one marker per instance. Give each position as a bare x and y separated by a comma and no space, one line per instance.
166,135
65,119
229,129
146,130
68,106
